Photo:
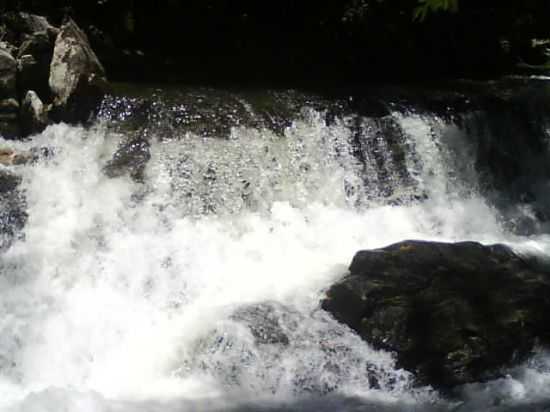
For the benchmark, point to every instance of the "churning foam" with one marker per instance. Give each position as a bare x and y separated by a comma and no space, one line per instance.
120,297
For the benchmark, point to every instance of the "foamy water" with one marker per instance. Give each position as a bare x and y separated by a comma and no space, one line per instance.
121,296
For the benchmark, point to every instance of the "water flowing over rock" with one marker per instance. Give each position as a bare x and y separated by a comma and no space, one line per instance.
453,313
131,158
77,78
264,321
12,207
180,246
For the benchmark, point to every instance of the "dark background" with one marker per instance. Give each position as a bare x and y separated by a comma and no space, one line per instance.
303,42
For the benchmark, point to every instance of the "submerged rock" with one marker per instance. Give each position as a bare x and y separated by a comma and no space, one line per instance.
13,213
452,313
130,159
264,321
77,78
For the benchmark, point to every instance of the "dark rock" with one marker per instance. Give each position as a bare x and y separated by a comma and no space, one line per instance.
36,44
9,118
9,106
8,181
452,313
77,78
8,74
34,60
33,118
131,158
9,126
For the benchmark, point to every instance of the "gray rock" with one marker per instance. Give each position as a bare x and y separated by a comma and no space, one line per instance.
452,313
19,25
77,78
10,48
34,117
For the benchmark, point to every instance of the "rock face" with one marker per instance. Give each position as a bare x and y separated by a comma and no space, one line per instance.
77,78
452,313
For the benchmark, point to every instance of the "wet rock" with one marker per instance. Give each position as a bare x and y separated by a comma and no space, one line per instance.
130,159
77,78
12,207
34,117
452,313
263,320
9,157
8,181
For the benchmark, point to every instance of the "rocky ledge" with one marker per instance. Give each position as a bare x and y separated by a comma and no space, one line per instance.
453,313
47,74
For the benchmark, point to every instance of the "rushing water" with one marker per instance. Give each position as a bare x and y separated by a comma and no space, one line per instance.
196,285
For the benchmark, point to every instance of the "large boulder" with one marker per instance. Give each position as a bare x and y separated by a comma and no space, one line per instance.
77,78
452,313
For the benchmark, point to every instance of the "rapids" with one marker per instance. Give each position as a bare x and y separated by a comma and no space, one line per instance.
120,295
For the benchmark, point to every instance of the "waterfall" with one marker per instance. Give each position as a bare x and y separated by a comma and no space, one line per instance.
174,253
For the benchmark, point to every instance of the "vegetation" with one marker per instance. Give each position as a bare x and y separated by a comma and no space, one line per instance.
427,6
307,39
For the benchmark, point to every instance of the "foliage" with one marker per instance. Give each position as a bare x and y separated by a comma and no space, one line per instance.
427,6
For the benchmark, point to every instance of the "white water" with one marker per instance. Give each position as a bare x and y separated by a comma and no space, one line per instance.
120,296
